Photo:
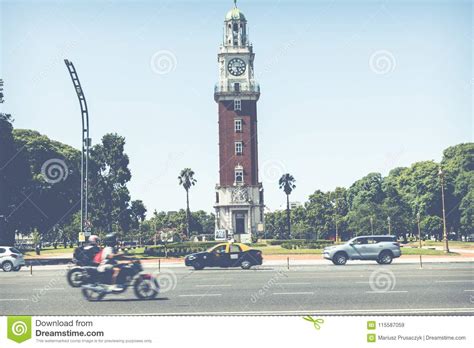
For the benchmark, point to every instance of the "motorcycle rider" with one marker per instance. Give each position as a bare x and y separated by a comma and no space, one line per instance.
93,247
107,261
85,254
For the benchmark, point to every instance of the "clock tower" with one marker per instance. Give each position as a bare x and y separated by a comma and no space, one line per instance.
239,194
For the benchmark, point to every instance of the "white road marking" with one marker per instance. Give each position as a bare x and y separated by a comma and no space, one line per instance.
13,299
455,281
292,283
385,292
293,293
468,290
199,295
322,312
212,285
47,289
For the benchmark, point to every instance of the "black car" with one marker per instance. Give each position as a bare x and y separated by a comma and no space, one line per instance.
225,255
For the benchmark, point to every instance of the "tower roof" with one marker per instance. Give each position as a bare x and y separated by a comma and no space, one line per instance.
235,13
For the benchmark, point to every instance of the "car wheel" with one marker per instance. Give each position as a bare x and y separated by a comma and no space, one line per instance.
198,266
7,266
339,259
385,258
16,269
246,264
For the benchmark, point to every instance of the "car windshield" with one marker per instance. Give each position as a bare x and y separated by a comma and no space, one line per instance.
15,250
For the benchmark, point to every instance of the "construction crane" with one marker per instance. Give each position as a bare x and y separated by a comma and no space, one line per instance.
86,143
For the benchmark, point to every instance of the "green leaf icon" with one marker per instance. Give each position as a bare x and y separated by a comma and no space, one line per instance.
19,328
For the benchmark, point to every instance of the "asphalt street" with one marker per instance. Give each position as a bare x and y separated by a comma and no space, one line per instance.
437,288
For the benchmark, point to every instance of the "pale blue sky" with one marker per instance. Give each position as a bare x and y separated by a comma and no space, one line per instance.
328,113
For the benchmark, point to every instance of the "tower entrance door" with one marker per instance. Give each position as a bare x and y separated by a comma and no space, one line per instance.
240,222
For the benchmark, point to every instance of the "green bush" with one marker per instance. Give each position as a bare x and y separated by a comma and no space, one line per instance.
281,241
306,244
178,249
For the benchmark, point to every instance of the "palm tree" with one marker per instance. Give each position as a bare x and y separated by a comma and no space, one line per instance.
287,184
186,179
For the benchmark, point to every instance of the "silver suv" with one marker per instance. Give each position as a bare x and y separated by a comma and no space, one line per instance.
11,259
382,249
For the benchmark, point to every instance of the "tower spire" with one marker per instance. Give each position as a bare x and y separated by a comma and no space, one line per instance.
235,3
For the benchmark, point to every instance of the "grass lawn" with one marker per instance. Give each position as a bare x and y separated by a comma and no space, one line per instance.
278,250
267,250
417,251
52,252
452,244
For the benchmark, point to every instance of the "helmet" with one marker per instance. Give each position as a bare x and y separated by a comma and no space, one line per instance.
110,239
94,239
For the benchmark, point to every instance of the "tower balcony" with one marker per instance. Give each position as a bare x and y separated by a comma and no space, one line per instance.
223,91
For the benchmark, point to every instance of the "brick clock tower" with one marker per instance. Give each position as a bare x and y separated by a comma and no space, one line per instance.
239,194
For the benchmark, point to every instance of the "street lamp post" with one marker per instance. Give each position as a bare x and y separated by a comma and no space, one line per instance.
334,204
389,226
445,234
419,230
372,224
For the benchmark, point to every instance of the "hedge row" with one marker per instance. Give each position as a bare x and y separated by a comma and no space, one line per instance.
306,244
172,252
299,241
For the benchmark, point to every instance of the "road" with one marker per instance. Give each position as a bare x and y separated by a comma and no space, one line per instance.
357,288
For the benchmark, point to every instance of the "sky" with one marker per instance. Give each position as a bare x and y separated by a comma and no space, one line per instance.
348,87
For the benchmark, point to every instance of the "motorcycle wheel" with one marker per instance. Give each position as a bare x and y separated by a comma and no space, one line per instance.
145,289
92,296
75,277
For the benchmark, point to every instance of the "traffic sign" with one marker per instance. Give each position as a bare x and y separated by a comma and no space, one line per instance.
82,237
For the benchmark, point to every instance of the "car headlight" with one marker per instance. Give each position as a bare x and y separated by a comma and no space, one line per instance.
191,257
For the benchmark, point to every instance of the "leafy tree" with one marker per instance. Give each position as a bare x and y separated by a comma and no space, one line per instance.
138,211
467,213
53,185
287,184
7,179
432,226
458,165
186,179
109,195
365,198
301,227
320,214
395,207
275,225
339,201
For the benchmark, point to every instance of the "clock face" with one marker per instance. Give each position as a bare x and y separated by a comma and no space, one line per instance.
236,66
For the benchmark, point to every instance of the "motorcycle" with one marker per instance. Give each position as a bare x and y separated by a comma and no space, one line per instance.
83,259
145,286
77,275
